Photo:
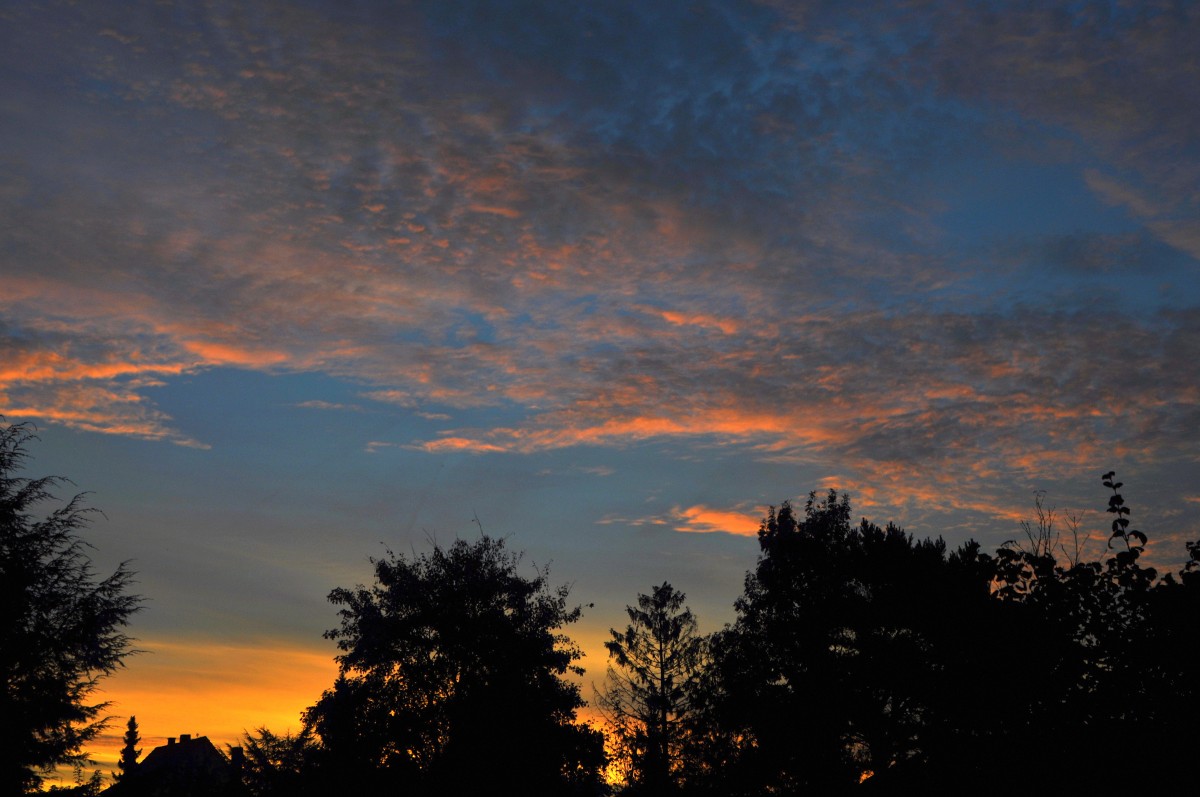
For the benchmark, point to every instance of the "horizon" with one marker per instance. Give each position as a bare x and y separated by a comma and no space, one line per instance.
290,286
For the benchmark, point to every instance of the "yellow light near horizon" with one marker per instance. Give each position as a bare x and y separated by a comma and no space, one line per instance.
210,688
221,689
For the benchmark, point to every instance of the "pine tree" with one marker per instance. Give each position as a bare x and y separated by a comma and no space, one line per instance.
647,697
130,752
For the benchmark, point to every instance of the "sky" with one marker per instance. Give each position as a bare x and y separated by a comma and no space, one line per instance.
287,285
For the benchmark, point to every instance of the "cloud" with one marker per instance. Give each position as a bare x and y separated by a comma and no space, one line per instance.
223,354
511,222
86,385
452,444
317,404
651,520
703,519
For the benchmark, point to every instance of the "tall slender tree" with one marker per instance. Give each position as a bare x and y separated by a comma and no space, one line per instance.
128,761
647,697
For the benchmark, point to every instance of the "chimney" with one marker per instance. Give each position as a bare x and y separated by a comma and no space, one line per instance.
237,760
184,738
170,741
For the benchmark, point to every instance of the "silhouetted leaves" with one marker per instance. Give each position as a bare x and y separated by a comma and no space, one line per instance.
861,653
278,766
451,680
861,659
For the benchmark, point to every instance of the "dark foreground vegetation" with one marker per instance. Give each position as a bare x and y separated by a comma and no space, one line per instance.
861,659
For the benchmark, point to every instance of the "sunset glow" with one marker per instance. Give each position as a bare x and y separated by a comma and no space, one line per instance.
286,285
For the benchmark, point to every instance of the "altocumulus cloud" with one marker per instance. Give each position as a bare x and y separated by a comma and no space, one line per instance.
733,224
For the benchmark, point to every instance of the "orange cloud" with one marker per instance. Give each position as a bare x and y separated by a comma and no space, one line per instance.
213,353
561,430
44,366
509,213
106,407
728,326
460,444
705,520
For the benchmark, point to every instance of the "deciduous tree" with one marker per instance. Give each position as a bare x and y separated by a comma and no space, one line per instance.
835,664
452,678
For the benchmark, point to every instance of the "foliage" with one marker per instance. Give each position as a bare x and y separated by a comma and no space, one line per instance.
61,627
84,787
832,668
861,653
648,694
1106,648
277,765
452,678
128,761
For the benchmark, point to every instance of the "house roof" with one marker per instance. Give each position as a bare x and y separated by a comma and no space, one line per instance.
184,768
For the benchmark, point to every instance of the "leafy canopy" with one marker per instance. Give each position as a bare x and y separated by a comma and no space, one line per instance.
452,675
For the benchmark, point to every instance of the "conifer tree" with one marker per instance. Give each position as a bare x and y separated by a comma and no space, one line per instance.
647,697
61,627
130,752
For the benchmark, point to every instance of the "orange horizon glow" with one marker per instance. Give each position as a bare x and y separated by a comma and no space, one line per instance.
285,289
222,690
208,687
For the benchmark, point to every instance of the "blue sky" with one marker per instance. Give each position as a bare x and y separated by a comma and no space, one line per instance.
288,283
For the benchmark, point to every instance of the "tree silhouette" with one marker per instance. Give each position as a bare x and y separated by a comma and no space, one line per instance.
648,693
276,765
1085,629
1127,656
451,679
127,763
61,628
853,654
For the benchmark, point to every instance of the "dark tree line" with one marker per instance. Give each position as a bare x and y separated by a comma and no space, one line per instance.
863,659
860,659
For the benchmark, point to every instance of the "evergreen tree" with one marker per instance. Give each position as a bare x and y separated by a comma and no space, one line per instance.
647,698
61,628
130,752
278,766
